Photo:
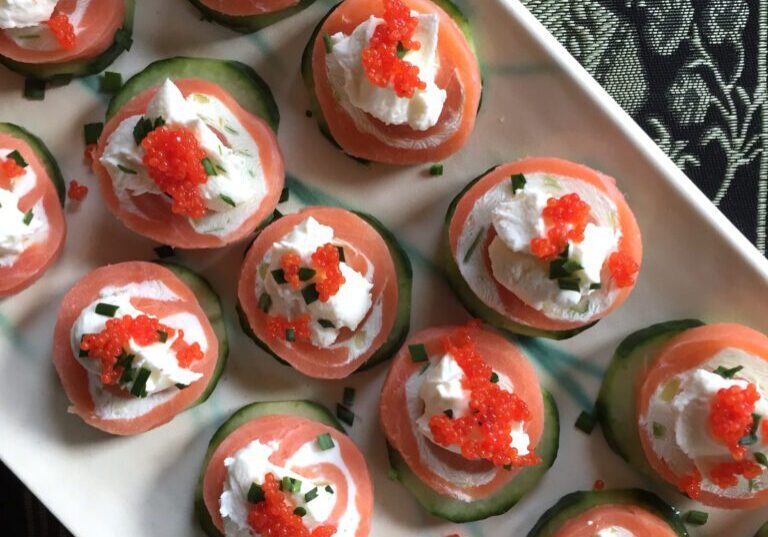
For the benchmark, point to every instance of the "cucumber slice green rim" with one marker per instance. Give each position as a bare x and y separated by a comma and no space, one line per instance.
238,79
471,301
211,305
617,400
41,151
246,24
65,71
400,329
305,409
576,503
502,500
309,80
763,531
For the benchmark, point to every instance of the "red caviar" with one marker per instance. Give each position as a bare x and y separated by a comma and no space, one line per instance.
291,263
274,516
381,62
566,218
63,31
730,417
77,192
691,484
9,169
599,485
278,328
328,277
110,343
725,474
623,269
764,431
485,432
174,158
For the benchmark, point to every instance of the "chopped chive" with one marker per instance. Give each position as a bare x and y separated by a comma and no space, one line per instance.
311,495
518,182
162,335
144,126
16,157
128,375
329,489
306,274
139,388
164,251
265,302
181,386
92,132
308,113
125,360
401,50
34,90
284,195
507,467
111,82
210,169
393,475
345,414
325,323
126,170
495,377
569,284
571,266
436,169
81,353
327,43
255,493
595,286
290,334
418,352
658,430
474,245
124,39
342,257
751,438
424,368
761,458
279,276
325,441
230,130
752,485
696,518
585,422
728,373
299,511
28,217
448,412
310,294
226,199
289,484
107,310
349,397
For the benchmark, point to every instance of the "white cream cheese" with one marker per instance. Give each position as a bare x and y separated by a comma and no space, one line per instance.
231,195
346,309
352,87
614,531
38,36
25,13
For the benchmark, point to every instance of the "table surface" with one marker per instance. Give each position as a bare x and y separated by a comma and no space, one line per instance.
689,72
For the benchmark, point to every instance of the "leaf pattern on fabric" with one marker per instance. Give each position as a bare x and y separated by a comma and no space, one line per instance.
667,23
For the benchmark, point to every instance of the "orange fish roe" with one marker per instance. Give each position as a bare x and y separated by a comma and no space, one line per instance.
291,263
764,431
485,432
274,516
9,169
691,484
328,278
174,159
63,31
730,417
77,192
280,327
724,475
598,485
109,344
381,62
566,218
623,269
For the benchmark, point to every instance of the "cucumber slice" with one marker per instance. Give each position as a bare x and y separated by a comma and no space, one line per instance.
471,301
402,324
250,23
211,305
305,409
42,152
763,531
616,403
236,78
576,503
63,72
502,500
309,80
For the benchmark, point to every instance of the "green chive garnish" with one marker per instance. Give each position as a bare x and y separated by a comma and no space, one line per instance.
125,361
418,352
585,422
310,294
345,414
255,493
518,182
265,302
111,82
474,245
436,169
311,495
28,217
290,334
508,467
727,373
162,335
393,475
181,386
289,484
81,352
92,132
761,458
16,157
658,430
325,323
329,489
124,39
210,169
349,397
139,388
306,274
144,126
107,310
279,276
226,199
696,518
448,412
495,377
751,438
308,113
127,376
284,195
299,511
327,43
342,257
401,50
595,286
34,90
325,441
164,251
569,284
126,170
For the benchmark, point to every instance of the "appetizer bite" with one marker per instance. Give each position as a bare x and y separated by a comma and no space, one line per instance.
541,247
59,39
610,513
394,81
327,291
189,156
136,343
470,431
246,16
685,402
284,468
32,225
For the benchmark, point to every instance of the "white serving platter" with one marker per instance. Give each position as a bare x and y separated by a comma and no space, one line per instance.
538,101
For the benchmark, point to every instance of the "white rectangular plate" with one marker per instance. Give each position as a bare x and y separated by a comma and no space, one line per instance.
538,101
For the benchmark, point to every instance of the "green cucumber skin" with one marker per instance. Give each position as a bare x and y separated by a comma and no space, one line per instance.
501,501
574,504
304,409
251,23
763,531
53,72
616,401
240,80
42,152
468,297
400,329
211,305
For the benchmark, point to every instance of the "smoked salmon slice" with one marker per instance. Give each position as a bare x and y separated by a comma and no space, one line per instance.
246,16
